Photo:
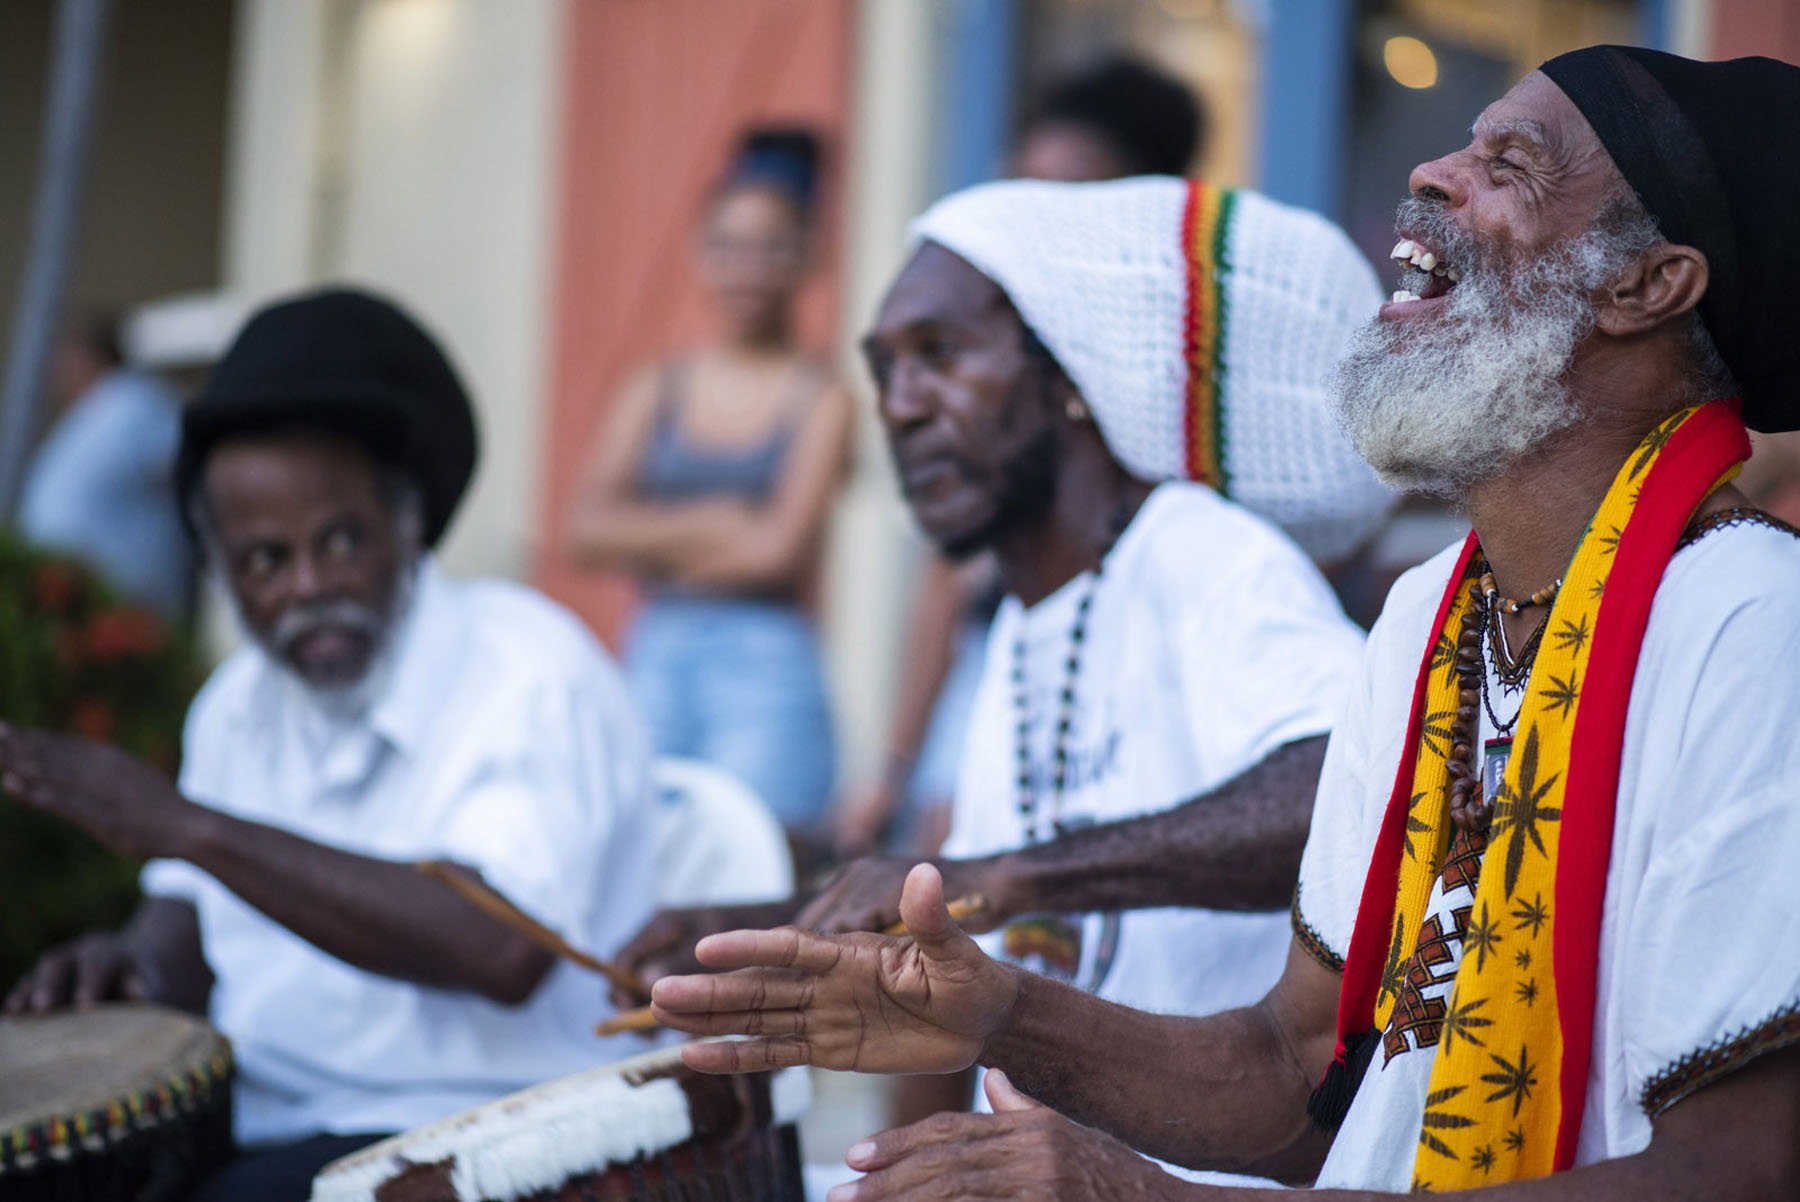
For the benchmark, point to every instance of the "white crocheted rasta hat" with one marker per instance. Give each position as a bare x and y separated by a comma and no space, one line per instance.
1200,324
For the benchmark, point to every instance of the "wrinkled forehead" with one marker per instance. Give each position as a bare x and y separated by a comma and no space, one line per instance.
1539,116
937,285
263,471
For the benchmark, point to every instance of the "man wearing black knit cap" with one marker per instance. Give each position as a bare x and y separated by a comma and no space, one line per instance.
1544,940
382,714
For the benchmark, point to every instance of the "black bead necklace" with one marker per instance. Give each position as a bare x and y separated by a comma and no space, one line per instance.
1065,720
1471,810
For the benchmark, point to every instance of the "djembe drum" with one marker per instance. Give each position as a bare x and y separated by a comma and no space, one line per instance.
120,1103
647,1128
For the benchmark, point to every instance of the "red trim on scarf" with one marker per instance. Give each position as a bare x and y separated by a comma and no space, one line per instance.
1375,913
1699,453
1190,334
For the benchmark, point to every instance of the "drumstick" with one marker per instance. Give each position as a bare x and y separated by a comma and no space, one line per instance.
642,1020
474,891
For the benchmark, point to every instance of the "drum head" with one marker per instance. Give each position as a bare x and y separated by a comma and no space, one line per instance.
72,1062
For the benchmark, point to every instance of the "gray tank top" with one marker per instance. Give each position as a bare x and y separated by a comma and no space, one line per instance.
674,469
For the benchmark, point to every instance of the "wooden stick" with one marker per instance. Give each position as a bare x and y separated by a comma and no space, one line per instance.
478,894
642,1020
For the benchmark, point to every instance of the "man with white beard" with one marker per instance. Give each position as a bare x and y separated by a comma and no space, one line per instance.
1569,972
381,715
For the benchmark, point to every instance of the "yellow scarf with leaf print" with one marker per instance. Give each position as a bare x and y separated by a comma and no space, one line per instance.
1509,1079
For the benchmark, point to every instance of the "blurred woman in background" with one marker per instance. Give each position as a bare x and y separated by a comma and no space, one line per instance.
711,482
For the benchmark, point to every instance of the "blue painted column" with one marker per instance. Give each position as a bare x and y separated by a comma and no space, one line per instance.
1306,101
977,44
1656,24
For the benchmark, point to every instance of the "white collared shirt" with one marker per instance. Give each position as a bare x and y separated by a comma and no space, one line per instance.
501,737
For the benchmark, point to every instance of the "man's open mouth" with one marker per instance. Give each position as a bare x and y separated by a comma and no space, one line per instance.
1426,273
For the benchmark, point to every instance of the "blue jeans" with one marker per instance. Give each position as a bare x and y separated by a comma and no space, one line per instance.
739,684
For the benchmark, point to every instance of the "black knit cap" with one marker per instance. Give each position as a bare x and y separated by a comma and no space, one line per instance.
1710,150
345,362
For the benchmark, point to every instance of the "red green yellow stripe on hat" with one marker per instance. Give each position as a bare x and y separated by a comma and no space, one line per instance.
1204,223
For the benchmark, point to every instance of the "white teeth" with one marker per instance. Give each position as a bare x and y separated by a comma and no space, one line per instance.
1454,274
1426,261
1402,296
1404,249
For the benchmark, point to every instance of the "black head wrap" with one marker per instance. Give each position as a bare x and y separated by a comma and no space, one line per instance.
343,362
1709,149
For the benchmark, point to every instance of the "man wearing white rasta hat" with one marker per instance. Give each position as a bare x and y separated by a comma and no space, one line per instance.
1199,325
1060,367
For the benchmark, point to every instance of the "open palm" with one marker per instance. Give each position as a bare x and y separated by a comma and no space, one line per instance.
921,1003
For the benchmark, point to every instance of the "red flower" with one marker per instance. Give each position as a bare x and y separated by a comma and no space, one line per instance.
123,632
92,718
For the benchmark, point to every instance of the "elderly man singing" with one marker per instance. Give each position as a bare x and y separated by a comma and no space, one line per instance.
380,714
1546,939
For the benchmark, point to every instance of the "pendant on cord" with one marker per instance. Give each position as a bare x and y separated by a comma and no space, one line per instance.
1494,755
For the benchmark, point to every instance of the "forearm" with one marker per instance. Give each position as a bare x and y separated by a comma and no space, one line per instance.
655,536
1237,848
1225,1092
1652,1175
760,558
379,915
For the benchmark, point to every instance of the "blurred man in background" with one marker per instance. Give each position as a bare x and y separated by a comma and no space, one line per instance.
381,714
100,487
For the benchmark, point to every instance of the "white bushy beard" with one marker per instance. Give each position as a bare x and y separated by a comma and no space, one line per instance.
1436,406
346,700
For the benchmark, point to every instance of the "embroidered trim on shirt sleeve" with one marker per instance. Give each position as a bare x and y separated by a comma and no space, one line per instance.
1708,1064
1740,515
1309,938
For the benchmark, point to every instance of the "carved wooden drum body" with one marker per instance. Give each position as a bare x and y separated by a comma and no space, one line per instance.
647,1128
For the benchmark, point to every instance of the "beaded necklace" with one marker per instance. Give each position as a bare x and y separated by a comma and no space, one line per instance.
1028,800
1470,807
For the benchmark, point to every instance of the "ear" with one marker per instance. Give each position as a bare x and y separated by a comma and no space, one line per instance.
1665,283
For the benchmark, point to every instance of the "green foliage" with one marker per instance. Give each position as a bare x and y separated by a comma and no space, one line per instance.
74,658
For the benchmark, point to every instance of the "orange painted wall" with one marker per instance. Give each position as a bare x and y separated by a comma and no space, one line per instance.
657,92
1766,27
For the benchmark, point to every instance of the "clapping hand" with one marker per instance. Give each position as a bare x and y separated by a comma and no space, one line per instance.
925,1002
1021,1151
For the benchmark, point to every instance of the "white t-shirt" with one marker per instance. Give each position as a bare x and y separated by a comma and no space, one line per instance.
1211,641
502,739
1700,935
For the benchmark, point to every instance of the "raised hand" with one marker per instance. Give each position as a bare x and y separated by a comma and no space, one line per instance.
1022,1150
925,1002
95,968
111,794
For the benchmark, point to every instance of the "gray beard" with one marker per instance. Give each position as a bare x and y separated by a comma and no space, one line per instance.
1439,405
346,701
